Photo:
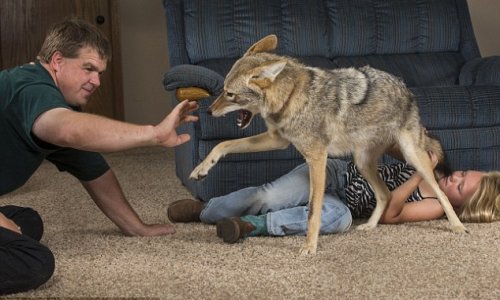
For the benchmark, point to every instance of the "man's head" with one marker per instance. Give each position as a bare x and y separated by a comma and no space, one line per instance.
75,53
70,36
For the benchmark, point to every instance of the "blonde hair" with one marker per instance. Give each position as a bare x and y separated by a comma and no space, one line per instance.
484,205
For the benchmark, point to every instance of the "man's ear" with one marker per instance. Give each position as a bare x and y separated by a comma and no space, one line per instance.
55,60
266,73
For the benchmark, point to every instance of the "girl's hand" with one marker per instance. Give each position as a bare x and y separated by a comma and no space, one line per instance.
9,224
434,159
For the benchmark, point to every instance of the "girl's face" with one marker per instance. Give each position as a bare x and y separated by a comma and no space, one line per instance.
460,186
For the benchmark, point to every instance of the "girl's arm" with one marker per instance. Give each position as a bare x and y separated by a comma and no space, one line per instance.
424,210
398,211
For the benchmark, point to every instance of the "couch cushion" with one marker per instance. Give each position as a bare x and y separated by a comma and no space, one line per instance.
321,27
219,65
223,65
415,69
468,148
481,71
387,26
240,23
458,106
382,27
471,148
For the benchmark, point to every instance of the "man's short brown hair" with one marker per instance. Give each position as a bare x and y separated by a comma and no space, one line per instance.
70,36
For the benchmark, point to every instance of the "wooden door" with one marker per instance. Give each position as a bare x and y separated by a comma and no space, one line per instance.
24,24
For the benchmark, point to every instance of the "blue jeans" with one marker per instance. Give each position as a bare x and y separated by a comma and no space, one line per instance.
284,201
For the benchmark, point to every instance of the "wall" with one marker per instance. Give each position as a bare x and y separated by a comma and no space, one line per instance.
144,56
486,22
144,53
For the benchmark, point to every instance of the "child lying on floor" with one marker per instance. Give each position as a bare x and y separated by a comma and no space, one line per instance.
280,208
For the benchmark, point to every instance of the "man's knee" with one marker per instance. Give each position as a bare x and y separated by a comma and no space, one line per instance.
44,270
31,266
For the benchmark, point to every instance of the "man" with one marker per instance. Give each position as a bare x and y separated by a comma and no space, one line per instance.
40,119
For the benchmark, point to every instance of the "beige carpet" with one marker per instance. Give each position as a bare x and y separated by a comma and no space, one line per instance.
93,260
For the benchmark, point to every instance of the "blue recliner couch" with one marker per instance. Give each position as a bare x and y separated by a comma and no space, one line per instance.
430,44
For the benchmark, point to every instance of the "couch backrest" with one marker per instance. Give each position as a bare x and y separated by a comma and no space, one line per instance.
388,27
210,29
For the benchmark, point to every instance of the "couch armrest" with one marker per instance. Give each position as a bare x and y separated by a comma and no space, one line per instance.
193,82
481,71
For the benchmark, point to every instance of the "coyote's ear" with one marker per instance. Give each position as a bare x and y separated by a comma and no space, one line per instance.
266,74
268,43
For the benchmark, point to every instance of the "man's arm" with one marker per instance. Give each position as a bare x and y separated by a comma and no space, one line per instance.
67,128
108,195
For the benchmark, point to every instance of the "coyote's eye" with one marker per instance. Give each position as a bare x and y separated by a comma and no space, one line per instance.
229,95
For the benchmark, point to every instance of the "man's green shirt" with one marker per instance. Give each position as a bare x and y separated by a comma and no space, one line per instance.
26,92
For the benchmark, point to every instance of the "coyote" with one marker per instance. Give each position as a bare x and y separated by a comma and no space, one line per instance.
358,111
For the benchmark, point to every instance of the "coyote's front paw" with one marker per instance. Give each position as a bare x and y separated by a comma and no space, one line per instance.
366,226
307,249
199,172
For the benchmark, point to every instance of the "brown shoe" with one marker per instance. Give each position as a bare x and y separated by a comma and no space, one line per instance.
232,230
185,210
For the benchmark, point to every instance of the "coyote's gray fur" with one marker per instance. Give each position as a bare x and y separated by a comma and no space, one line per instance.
362,111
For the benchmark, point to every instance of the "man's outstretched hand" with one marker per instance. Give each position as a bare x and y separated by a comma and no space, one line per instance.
165,131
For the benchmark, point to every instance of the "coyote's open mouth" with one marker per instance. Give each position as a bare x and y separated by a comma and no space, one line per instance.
244,118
